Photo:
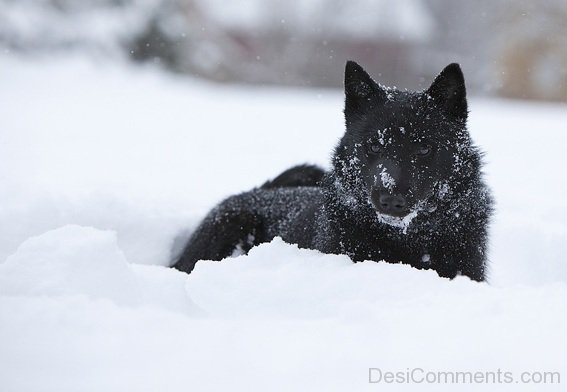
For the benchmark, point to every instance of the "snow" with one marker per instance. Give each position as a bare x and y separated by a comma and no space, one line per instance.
402,223
83,261
106,169
387,180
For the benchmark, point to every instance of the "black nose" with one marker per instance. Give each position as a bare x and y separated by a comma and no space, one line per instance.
386,203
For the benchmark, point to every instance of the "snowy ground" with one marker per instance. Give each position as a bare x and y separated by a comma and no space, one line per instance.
105,169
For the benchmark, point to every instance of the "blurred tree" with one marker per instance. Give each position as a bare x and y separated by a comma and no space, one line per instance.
533,51
290,42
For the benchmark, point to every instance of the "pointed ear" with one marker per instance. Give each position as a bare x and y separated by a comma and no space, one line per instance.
448,90
358,84
359,87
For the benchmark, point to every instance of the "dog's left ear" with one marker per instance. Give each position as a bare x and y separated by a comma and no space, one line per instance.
448,90
358,84
360,89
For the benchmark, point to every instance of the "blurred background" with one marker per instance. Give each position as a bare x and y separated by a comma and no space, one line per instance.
513,49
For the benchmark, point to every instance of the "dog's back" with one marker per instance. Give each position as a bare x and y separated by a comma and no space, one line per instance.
248,219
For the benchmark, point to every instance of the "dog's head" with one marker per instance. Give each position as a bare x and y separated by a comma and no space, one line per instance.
401,149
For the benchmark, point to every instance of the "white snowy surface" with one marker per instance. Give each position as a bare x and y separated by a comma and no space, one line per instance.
105,170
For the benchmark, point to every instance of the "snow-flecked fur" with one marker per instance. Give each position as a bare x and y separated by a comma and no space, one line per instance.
405,186
301,175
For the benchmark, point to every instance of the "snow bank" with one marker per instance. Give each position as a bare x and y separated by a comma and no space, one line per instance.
281,280
83,261
278,319
69,260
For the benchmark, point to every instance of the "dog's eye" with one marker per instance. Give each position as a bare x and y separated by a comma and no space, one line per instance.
423,151
374,148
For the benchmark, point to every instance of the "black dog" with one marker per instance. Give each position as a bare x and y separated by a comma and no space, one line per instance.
405,186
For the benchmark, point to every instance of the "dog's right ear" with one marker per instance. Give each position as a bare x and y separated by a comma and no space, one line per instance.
359,86
448,90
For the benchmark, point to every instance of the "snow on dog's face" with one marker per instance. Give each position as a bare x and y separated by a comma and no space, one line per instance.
403,151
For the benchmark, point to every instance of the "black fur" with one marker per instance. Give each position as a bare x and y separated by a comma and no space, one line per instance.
301,175
405,186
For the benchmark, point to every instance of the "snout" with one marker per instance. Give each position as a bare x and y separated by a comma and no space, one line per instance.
389,204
